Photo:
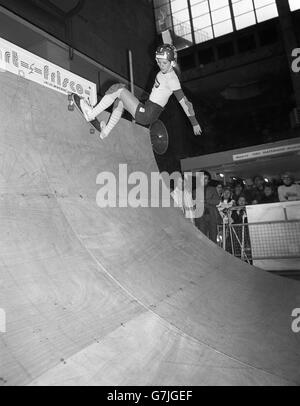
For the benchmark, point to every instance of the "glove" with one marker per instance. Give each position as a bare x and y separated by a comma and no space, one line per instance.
197,129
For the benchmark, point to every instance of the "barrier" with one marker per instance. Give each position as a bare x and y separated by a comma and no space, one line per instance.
268,235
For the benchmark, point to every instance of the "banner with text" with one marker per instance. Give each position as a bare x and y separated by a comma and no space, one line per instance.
32,67
266,152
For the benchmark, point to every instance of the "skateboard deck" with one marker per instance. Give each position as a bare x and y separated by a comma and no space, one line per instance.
74,100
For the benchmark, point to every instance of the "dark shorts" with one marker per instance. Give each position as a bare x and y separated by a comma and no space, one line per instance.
147,113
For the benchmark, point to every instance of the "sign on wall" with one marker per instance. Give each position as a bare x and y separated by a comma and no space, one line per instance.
32,67
266,152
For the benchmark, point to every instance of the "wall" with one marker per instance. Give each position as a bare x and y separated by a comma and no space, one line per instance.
104,30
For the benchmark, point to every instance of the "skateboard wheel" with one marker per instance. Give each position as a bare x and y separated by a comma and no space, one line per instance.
92,131
69,96
70,107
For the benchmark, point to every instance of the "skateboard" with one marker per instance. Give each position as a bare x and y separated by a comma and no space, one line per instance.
74,100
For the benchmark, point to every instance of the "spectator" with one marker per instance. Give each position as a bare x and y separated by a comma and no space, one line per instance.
238,215
270,196
219,188
289,191
238,191
240,231
248,189
208,222
225,204
257,192
183,199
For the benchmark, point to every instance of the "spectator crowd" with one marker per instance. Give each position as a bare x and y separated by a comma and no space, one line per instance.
220,198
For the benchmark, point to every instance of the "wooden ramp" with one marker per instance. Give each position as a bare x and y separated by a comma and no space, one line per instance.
119,296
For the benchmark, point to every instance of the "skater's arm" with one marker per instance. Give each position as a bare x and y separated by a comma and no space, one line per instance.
189,110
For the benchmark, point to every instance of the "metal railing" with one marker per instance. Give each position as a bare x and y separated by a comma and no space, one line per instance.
259,241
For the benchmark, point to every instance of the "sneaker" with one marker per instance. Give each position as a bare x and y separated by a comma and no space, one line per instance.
86,110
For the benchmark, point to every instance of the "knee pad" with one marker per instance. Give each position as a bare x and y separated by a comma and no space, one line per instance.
116,89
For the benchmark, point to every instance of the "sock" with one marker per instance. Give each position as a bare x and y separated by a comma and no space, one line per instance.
104,103
111,95
114,119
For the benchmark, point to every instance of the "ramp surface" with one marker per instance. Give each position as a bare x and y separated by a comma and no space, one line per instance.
119,296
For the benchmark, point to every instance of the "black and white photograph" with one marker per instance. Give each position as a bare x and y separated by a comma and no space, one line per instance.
149,196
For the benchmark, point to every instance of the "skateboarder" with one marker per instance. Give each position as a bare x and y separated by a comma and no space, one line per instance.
166,83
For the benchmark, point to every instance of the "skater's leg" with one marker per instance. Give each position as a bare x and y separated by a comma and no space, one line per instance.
111,95
116,91
130,101
114,118
126,100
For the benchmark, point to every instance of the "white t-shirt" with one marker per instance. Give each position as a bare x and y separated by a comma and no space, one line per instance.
165,84
289,192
